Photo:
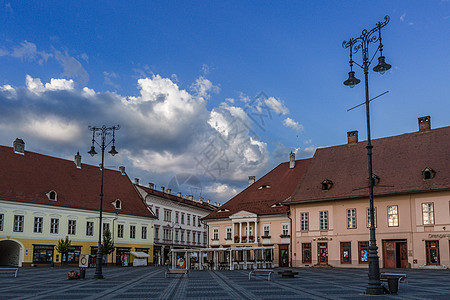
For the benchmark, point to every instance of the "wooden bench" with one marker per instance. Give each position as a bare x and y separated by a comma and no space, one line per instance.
267,273
176,271
400,278
10,270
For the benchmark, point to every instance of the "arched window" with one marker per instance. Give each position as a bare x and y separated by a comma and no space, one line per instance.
118,204
52,196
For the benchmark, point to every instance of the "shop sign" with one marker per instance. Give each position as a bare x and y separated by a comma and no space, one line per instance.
439,236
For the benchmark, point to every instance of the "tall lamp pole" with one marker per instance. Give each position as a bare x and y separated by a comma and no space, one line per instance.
355,44
102,132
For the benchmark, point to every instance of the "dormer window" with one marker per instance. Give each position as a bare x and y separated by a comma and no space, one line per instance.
326,184
264,186
428,173
52,196
117,204
277,205
223,210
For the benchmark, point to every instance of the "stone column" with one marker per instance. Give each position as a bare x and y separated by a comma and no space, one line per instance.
256,231
240,232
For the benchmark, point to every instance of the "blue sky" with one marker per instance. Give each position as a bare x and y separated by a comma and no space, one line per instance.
189,81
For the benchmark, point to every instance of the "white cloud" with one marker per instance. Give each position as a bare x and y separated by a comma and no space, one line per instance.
72,67
288,122
205,69
203,87
60,84
276,105
402,17
34,85
52,129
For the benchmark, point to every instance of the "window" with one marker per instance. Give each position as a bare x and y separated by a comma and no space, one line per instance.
188,218
205,239
182,236
215,234
52,196
167,215
144,232
73,256
90,228
306,253
54,226
193,237
327,184
72,227
42,253
193,220
2,220
285,229
393,216
363,248
156,233
118,204
105,227
346,252
157,212
228,233
167,234
176,235
304,221
177,214
182,218
120,230
323,217
351,218
266,230
374,216
428,213
428,173
18,223
132,232
199,221
198,238
38,224
188,236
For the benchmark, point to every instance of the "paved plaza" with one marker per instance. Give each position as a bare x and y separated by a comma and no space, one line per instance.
149,283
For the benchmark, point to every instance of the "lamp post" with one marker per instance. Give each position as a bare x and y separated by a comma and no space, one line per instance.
363,42
102,132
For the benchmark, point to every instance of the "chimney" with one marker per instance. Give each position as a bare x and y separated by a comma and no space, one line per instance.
251,180
19,146
162,189
136,181
424,124
122,170
291,160
207,201
179,195
191,197
200,199
151,185
78,160
168,191
352,137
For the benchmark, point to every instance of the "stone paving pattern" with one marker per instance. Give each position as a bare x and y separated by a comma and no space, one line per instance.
149,283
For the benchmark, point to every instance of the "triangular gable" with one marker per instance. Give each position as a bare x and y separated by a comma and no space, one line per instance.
243,214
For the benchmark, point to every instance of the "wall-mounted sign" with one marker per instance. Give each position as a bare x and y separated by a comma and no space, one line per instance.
439,236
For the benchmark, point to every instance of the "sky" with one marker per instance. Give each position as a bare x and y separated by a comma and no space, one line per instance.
208,93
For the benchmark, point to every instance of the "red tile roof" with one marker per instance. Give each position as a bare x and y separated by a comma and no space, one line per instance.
28,177
282,181
398,161
206,206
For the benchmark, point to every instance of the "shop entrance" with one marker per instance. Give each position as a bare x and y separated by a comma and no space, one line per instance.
432,249
284,255
395,253
322,253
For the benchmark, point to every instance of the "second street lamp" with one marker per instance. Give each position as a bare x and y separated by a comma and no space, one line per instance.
102,132
355,44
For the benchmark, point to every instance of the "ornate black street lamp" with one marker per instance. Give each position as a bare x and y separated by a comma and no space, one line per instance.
354,44
102,132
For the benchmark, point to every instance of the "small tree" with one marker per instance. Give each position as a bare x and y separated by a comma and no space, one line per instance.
64,247
108,244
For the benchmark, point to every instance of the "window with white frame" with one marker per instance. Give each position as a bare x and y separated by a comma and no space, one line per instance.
193,237
182,236
351,218
182,218
215,234
105,227
167,234
188,218
72,227
2,220
428,213
304,221
266,230
285,229
156,233
54,225
193,220
393,216
90,228
18,223
199,221
132,231
120,230
323,218
144,232
157,212
177,234
205,238
38,224
177,214
167,215
199,238
228,232
188,236
374,216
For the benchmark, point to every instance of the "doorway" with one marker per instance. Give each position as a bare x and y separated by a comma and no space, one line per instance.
432,249
395,253
284,255
322,252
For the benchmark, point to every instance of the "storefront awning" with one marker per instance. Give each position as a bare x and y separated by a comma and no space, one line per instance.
139,254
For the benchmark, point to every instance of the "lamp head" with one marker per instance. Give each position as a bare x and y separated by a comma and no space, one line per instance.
113,150
92,151
352,80
382,66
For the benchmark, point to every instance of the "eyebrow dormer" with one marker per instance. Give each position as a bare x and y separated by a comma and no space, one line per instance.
327,184
52,195
428,173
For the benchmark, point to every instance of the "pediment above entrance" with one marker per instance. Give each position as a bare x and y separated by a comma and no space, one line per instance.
243,215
